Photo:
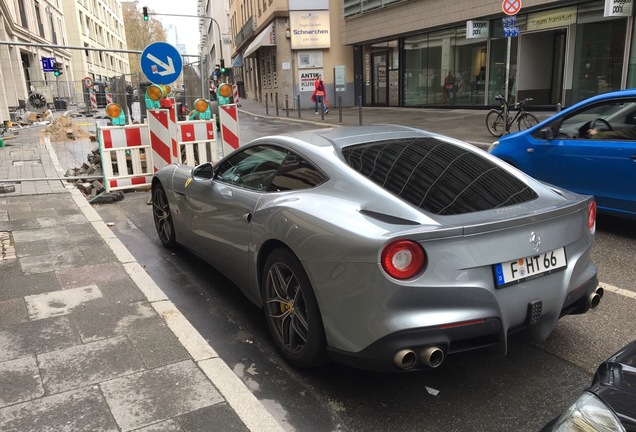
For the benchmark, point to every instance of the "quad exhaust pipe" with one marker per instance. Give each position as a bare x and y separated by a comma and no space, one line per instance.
431,356
594,299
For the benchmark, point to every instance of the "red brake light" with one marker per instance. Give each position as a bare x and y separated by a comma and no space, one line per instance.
591,216
403,259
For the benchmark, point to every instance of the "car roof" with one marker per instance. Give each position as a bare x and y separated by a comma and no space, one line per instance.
341,137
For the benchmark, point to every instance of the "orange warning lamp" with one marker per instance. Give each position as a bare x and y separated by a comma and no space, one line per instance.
156,92
201,105
113,110
116,114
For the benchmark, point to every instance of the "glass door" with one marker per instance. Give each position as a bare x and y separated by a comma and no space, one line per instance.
380,67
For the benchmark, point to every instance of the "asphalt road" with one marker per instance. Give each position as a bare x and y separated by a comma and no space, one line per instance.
519,392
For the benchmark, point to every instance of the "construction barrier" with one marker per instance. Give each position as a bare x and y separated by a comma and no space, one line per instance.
235,95
109,98
93,98
124,151
159,126
228,118
196,141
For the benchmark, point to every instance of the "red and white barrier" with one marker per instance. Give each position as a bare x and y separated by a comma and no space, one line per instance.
109,98
159,126
228,118
196,141
235,95
93,99
124,151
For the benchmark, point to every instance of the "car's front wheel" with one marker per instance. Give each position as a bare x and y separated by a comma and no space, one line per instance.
163,217
291,310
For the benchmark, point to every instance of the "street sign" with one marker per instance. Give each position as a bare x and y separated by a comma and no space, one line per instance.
511,7
47,64
161,63
510,28
88,82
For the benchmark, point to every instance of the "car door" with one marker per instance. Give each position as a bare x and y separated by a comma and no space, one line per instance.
605,168
221,209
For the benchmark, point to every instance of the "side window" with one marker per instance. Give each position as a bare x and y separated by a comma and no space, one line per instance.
253,168
295,173
606,117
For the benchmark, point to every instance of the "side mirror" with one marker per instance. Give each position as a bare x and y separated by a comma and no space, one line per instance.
205,171
546,133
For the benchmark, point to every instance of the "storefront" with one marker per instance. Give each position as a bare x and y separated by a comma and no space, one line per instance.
559,55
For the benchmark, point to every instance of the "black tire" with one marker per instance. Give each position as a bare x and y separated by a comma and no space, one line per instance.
495,123
163,217
526,121
291,311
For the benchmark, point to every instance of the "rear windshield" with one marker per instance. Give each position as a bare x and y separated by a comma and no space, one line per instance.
438,177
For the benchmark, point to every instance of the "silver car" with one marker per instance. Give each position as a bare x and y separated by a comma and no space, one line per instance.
384,247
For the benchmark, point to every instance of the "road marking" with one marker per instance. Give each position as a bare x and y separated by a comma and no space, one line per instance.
617,290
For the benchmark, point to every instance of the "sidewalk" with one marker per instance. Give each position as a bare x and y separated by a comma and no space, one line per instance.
88,342
465,124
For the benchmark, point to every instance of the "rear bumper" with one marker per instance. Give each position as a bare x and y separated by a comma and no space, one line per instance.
485,334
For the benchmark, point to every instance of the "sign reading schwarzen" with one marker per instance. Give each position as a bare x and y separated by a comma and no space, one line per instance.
310,29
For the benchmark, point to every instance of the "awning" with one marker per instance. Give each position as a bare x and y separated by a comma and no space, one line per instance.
265,38
237,61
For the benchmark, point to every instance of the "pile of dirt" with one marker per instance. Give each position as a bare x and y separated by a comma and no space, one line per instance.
63,129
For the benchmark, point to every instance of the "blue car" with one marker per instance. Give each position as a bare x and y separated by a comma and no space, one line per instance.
589,148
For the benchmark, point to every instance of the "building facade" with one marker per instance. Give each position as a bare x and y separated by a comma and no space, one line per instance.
280,46
23,26
96,24
36,34
416,53
556,52
215,35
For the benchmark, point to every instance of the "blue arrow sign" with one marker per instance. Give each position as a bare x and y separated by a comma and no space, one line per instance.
47,64
161,63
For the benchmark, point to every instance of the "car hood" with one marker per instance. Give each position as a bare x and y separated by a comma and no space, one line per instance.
615,384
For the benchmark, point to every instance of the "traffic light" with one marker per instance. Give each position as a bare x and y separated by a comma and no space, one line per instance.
145,9
57,68
222,66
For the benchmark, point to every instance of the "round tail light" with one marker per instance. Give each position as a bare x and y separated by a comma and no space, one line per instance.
591,216
403,259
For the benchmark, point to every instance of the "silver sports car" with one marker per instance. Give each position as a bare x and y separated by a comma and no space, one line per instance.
384,247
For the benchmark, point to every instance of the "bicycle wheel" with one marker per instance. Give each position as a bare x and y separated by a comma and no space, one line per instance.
495,123
526,121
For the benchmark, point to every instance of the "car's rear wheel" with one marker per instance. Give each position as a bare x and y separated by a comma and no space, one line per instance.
526,121
495,123
163,217
291,310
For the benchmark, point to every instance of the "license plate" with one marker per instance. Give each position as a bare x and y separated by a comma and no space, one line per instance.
528,268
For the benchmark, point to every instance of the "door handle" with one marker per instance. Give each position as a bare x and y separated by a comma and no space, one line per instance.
226,192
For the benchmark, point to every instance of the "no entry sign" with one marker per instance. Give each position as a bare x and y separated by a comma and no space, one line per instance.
511,7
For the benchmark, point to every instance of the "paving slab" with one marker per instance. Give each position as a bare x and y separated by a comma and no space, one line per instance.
19,381
159,394
88,364
83,409
56,303
37,337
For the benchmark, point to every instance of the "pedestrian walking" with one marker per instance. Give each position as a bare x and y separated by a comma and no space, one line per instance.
129,100
318,96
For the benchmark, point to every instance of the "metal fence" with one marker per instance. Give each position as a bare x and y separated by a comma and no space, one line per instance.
59,141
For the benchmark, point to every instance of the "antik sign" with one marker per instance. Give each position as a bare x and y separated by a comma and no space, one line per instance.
621,8
476,29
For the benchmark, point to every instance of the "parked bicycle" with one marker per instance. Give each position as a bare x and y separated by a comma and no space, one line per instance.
495,117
